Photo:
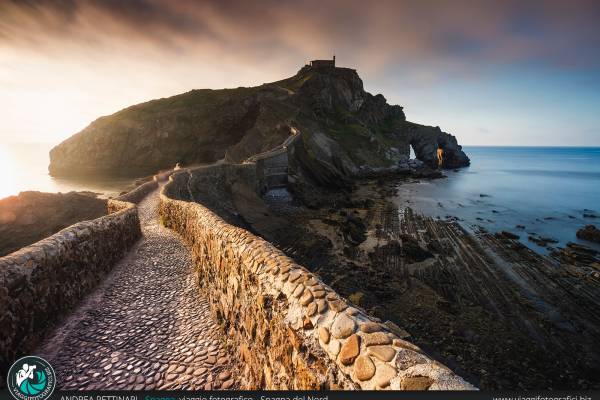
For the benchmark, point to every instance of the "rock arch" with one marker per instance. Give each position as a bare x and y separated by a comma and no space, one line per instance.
425,140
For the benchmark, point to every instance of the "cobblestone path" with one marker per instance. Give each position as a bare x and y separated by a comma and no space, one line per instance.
146,326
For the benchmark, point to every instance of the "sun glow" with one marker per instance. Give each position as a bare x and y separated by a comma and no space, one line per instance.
9,173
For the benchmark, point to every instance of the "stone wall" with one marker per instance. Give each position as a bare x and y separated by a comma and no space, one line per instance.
290,330
39,283
137,194
273,170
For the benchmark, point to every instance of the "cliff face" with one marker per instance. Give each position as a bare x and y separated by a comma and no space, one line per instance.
349,129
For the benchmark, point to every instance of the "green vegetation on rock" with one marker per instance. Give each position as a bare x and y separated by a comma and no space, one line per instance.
203,126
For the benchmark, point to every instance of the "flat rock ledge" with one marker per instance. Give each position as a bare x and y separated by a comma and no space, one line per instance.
290,330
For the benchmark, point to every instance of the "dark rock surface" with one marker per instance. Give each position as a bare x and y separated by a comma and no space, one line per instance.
590,233
344,129
484,304
32,216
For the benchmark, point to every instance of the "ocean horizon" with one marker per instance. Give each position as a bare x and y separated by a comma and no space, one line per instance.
548,192
546,189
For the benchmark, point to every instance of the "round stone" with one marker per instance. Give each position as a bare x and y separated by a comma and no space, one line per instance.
285,269
338,305
222,361
294,276
334,348
406,345
324,334
312,309
384,375
351,311
227,384
172,377
306,298
370,327
377,338
350,350
415,383
307,323
223,376
343,326
383,353
321,306
408,358
311,282
299,290
364,369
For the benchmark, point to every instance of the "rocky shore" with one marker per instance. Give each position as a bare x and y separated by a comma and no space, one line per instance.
590,233
32,216
484,304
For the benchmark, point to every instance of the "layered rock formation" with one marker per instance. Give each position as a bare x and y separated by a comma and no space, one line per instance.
345,130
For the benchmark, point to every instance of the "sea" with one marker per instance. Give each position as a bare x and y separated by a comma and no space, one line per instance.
548,191
24,166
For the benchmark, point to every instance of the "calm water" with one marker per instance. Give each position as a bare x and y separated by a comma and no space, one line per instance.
545,189
25,167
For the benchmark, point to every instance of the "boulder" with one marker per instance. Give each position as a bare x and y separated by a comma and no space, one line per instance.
589,233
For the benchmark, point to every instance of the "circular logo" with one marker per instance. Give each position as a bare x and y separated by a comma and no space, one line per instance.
31,378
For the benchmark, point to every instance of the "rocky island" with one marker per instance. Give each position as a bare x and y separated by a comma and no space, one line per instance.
347,131
284,195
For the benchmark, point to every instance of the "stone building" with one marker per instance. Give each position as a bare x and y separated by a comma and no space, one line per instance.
323,63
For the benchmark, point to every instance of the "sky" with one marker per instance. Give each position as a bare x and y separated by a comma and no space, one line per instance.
489,72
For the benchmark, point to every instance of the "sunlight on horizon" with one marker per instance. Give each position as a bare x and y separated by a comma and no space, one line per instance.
9,167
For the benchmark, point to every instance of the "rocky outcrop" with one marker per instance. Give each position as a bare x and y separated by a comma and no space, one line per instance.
345,130
290,329
425,141
589,233
32,216
39,283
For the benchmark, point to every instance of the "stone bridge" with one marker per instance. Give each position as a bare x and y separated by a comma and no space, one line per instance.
175,306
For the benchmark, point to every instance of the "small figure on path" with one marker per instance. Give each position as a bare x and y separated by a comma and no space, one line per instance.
440,155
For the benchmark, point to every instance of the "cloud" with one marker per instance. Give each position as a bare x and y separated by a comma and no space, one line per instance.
459,35
65,62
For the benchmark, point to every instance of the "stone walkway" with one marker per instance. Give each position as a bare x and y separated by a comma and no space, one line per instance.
146,326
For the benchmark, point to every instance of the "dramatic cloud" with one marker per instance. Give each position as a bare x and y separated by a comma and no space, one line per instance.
457,33
108,53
